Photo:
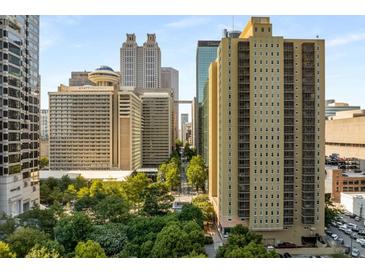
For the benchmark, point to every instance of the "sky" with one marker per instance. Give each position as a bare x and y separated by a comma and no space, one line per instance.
77,43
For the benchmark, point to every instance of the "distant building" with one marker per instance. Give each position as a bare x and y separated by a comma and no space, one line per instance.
170,80
140,66
332,107
188,133
104,126
354,203
206,53
44,124
346,182
80,78
157,141
345,134
183,120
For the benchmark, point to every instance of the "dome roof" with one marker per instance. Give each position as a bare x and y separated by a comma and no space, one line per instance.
105,68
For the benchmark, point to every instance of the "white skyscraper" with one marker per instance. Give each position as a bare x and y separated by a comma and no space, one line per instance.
140,66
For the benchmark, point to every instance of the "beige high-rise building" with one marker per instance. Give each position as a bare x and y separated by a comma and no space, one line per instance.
266,134
81,123
158,130
104,126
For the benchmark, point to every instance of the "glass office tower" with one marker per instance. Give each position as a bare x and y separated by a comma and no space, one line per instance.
205,54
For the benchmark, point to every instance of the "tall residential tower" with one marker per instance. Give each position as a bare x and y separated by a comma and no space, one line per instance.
19,117
266,134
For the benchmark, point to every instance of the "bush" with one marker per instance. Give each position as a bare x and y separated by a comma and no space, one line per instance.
208,240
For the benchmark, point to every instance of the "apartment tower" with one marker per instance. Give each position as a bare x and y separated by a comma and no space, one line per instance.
266,134
140,66
20,110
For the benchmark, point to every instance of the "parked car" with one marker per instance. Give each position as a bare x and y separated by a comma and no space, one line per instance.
357,218
362,232
340,241
355,253
334,236
355,229
287,255
354,235
348,231
333,223
360,240
286,245
328,232
343,227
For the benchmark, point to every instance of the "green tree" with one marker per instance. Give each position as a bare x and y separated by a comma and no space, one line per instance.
43,162
189,152
176,240
134,188
5,251
178,145
23,239
89,249
191,212
157,200
43,219
194,254
202,202
243,243
112,209
196,172
171,242
330,211
39,251
7,226
72,229
112,237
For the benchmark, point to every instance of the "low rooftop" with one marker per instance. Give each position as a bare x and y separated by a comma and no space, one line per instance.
105,175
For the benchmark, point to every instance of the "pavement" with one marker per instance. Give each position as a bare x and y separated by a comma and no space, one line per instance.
212,249
347,238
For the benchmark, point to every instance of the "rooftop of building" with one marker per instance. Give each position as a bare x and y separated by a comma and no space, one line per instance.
105,175
360,195
104,68
348,114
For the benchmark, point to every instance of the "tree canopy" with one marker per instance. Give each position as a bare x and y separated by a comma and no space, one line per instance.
196,173
89,249
5,251
72,229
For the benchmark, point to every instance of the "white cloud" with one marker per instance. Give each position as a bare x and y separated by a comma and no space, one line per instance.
188,22
344,40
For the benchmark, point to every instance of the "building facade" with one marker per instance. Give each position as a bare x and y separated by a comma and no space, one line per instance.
184,119
106,127
44,124
345,134
348,182
80,78
157,132
332,107
20,111
170,80
354,203
81,124
140,66
266,134
205,54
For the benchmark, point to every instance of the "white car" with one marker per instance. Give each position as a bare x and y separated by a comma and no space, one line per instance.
343,227
355,252
360,241
334,236
357,218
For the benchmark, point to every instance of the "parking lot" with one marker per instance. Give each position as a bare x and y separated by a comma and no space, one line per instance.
347,238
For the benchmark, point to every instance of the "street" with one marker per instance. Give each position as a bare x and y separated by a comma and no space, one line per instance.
347,238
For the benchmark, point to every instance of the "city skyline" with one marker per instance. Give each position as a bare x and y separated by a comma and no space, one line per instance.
69,42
